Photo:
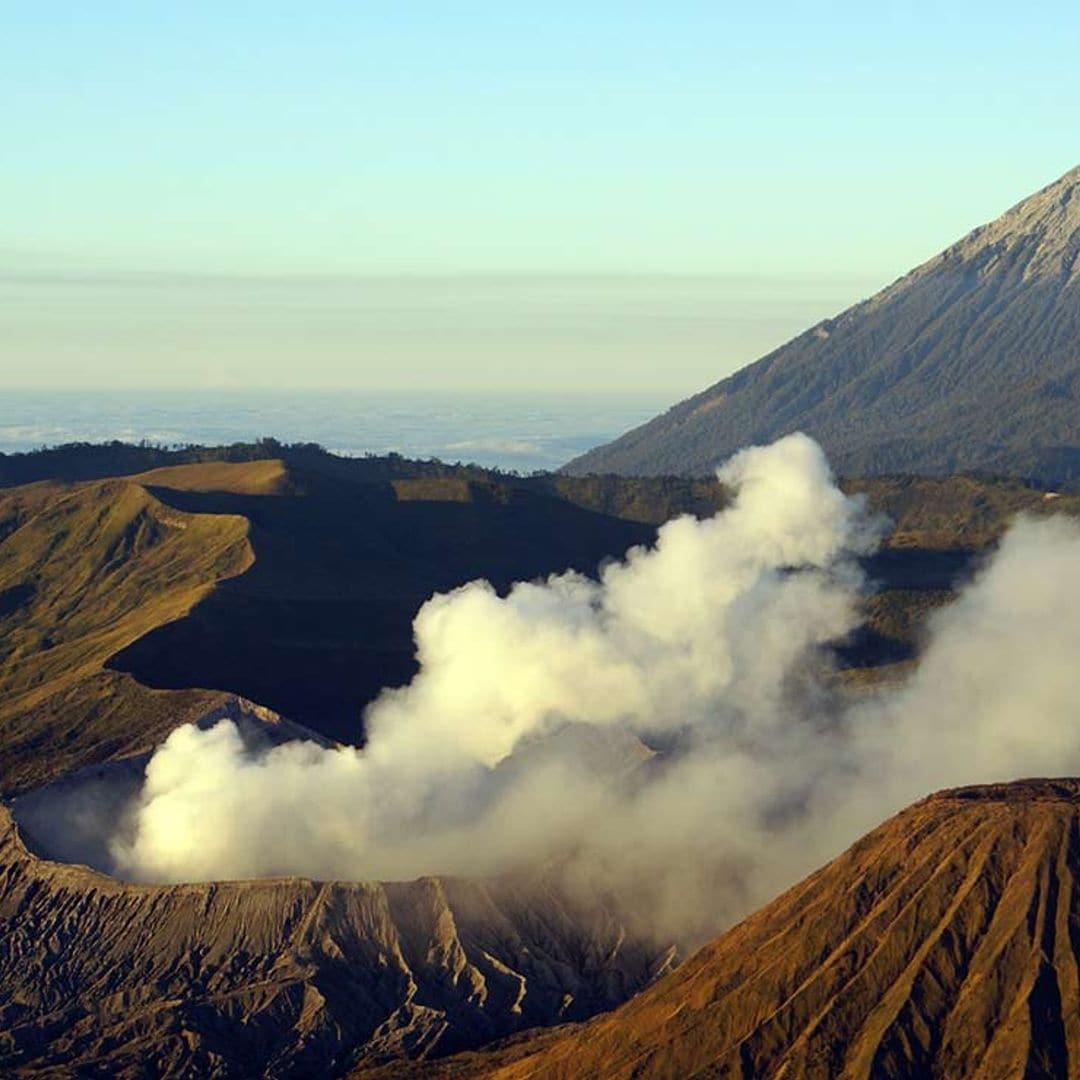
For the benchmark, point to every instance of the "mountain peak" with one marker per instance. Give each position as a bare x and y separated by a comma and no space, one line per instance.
969,362
1042,232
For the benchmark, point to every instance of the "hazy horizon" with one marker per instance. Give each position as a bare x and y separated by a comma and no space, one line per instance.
580,198
662,334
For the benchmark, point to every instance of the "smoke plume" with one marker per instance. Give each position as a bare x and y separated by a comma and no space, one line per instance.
671,734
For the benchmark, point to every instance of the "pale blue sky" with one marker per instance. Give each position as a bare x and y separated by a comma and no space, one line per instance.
754,167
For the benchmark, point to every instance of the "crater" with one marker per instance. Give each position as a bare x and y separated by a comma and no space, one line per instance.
76,818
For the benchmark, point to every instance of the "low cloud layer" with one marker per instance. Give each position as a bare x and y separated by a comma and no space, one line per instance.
670,735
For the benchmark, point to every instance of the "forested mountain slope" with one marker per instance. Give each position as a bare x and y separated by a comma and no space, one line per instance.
969,362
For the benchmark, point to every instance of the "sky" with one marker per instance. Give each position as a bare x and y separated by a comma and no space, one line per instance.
481,196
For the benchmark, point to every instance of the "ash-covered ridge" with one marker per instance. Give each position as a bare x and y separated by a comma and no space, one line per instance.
288,977
277,977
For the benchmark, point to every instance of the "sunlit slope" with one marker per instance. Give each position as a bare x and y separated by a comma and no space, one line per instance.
96,569
267,477
88,570
970,361
943,944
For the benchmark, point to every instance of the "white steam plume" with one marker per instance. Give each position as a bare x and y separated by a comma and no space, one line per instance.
664,734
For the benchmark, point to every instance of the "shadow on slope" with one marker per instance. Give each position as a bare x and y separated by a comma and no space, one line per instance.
322,620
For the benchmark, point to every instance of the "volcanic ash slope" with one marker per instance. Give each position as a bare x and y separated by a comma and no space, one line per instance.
943,944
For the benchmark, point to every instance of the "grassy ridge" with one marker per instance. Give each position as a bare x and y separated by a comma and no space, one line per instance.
88,570
96,568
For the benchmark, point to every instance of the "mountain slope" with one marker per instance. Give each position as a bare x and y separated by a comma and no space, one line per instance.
943,944
84,572
971,361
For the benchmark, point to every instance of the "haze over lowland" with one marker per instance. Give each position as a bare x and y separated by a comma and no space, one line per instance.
498,430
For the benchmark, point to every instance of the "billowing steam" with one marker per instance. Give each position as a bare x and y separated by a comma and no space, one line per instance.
670,735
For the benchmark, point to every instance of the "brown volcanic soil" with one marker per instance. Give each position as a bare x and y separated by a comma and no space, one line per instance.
943,944
285,977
